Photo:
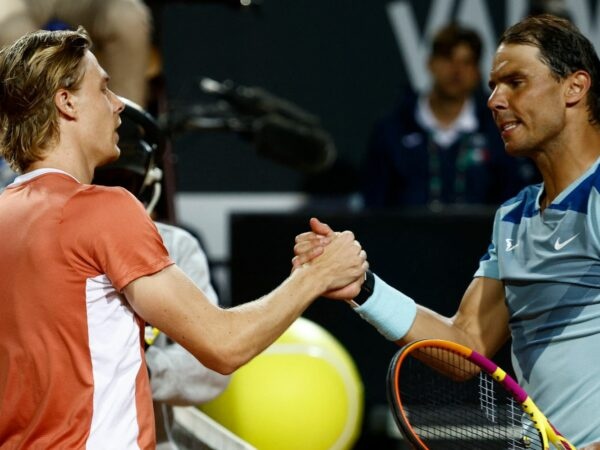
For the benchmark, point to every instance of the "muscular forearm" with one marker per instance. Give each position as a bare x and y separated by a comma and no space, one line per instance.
480,322
223,340
429,324
249,328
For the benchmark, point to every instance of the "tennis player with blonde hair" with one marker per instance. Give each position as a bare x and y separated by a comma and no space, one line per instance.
83,266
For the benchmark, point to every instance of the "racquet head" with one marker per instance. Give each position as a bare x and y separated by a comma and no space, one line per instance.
446,396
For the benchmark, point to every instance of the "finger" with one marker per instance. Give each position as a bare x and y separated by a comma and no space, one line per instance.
319,227
306,257
347,234
305,246
305,236
313,237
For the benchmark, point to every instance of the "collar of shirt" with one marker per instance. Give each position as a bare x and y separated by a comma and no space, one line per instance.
466,122
36,173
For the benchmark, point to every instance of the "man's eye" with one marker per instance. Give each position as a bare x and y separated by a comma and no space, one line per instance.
515,82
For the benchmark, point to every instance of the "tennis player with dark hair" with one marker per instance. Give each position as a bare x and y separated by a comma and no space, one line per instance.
82,266
539,281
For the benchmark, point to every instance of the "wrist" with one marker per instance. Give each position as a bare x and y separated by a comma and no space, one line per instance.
366,290
309,280
390,311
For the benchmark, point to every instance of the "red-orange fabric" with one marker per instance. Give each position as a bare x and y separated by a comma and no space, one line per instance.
66,251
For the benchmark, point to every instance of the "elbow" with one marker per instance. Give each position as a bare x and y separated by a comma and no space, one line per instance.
225,368
224,351
232,359
224,361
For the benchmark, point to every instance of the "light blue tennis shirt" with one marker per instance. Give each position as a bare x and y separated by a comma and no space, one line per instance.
550,264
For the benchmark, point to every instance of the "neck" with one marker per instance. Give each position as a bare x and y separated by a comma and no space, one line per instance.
566,160
67,160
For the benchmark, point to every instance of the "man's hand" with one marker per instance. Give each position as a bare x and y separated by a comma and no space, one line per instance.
312,244
595,446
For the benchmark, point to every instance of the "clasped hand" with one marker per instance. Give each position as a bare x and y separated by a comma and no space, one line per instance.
312,244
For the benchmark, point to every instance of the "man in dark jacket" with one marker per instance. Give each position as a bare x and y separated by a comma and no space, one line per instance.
442,147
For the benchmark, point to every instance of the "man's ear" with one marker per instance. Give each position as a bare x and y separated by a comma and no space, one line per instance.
577,86
65,103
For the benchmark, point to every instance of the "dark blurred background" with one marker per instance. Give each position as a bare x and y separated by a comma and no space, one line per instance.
339,60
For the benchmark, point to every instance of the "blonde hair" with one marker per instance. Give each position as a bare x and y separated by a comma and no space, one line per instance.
32,70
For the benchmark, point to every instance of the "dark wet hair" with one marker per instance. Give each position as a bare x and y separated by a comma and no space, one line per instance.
563,48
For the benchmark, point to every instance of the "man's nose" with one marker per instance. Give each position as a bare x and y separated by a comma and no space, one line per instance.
497,99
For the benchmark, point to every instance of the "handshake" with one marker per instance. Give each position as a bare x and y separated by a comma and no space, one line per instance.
390,311
341,256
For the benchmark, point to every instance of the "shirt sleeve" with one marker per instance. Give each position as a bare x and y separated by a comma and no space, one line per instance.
488,264
109,232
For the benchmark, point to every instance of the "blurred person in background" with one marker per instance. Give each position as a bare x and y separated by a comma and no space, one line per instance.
121,30
442,147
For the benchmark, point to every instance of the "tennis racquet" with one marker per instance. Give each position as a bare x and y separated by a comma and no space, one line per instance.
446,396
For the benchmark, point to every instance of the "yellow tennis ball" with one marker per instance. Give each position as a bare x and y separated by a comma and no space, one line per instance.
302,393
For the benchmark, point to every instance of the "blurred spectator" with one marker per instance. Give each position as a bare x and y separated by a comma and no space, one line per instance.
442,147
176,377
6,174
121,30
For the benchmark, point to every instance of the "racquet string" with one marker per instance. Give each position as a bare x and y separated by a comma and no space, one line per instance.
468,410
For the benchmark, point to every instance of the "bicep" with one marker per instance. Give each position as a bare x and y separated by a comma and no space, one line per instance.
483,315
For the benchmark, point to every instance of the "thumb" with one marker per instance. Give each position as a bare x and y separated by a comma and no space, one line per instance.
319,227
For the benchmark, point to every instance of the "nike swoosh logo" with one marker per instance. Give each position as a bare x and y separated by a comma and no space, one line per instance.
559,245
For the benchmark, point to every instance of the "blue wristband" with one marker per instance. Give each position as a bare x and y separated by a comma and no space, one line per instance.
390,311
